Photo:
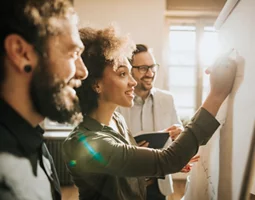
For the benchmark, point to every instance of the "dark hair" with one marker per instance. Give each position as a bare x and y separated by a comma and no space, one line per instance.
139,49
31,19
102,48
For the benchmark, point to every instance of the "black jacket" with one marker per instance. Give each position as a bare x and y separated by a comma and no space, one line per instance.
26,168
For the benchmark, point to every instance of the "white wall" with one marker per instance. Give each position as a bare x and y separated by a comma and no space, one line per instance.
143,19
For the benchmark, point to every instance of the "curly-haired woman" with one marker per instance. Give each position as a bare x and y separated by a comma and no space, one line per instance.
102,156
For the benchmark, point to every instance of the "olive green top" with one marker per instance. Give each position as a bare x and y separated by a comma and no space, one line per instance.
108,165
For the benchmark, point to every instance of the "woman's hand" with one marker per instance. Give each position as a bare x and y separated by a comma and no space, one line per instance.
222,77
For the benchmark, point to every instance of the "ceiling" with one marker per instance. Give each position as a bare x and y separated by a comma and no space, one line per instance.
195,5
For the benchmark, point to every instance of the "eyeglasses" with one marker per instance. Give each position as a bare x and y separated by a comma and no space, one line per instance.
144,69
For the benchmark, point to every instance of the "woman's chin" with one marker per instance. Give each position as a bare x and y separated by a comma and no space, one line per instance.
127,104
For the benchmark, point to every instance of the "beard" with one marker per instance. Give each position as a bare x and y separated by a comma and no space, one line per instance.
145,87
51,97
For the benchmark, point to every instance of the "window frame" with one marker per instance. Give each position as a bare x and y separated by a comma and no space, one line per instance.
199,23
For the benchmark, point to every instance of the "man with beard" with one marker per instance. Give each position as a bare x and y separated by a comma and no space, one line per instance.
153,110
40,65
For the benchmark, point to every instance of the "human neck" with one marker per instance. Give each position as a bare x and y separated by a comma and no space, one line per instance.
103,113
19,99
142,93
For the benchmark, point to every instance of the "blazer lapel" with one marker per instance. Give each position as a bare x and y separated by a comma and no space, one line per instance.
161,111
156,109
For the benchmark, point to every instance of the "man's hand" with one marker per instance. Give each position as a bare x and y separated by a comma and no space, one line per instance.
188,167
143,144
174,131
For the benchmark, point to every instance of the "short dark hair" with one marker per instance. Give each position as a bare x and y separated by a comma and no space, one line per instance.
139,49
102,48
31,19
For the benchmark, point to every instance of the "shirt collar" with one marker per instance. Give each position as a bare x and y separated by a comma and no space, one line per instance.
94,125
139,100
91,123
30,138
152,91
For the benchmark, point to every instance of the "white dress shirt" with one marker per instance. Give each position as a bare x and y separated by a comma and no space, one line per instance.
142,115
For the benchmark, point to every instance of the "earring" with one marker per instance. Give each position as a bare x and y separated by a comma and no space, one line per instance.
27,68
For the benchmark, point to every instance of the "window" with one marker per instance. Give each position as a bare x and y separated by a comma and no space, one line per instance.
208,51
192,49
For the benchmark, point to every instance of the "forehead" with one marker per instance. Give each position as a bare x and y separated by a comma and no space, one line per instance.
123,63
120,64
143,58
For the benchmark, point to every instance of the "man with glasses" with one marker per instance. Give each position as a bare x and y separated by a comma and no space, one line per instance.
153,111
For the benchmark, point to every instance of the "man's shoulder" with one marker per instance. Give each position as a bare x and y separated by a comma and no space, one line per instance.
8,164
17,177
8,175
162,93
5,134
8,142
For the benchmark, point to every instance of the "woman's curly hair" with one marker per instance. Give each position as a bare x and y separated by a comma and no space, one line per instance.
103,47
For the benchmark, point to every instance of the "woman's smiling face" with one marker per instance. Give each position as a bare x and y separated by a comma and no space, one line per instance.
117,85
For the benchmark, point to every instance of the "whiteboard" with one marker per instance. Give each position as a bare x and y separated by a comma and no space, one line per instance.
219,173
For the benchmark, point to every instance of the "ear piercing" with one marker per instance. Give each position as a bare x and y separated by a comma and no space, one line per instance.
28,68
